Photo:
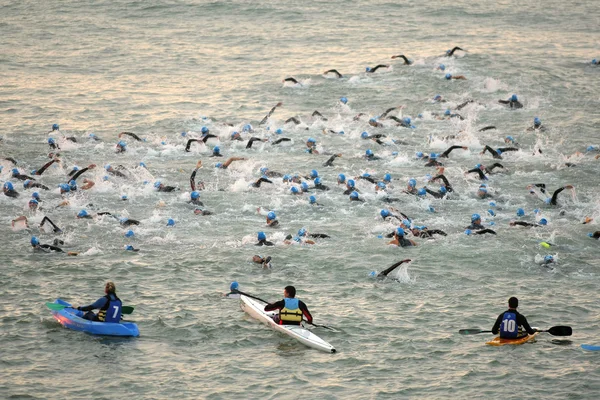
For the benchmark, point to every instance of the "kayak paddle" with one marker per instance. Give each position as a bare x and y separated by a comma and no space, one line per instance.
57,307
321,326
554,331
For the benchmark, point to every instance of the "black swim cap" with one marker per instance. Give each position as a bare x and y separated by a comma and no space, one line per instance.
513,302
291,291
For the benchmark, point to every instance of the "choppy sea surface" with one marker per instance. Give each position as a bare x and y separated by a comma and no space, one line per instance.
160,68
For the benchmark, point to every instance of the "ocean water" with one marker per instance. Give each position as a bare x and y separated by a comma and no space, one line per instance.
159,68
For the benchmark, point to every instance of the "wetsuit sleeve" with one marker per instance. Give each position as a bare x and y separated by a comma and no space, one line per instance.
522,321
193,179
390,269
503,101
133,135
555,195
492,151
505,149
495,165
56,228
523,223
484,231
101,302
189,143
305,311
52,248
78,173
434,194
437,232
251,141
282,140
496,327
449,150
45,167
479,171
275,306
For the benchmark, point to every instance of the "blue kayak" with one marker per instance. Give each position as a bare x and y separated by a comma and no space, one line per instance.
590,347
72,319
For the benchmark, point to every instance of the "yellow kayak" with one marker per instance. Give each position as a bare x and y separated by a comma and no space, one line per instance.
497,341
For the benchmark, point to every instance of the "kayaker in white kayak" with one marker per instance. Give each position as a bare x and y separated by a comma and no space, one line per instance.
511,323
109,306
290,309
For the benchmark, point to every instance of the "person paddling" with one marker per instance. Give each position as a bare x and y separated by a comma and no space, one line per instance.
511,323
290,308
109,305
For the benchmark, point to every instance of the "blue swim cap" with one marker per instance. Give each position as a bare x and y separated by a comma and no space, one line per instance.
312,199
317,181
492,212
129,247
399,231
364,135
82,214
548,258
157,184
443,189
437,97
412,182
477,165
75,168
406,223
234,286
350,183
499,151
204,129
314,173
170,222
594,61
394,153
195,195
367,69
124,197
433,156
492,203
468,232
344,100
591,148
183,134
341,132
369,152
271,215
514,98
406,120
51,141
278,131
15,172
218,165
387,178
129,233
384,213
121,143
33,201
543,221
419,154
234,133
26,183
107,167
302,232
105,178
372,120
216,150
262,236
35,195
354,195
447,112
64,187
537,210
419,115
123,220
286,178
373,274
55,127
294,189
34,241
520,212
548,200
482,189
537,121
8,186
72,183
422,192
448,76
311,140
341,178
510,138
475,217
247,128
381,185
304,186
92,135
264,170
366,175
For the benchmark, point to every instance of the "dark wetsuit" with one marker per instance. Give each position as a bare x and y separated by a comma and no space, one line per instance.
479,171
464,104
451,52
47,248
83,170
437,195
128,222
329,163
445,180
511,104
406,60
487,128
402,242
292,119
319,115
333,71
447,152
386,271
375,68
55,228
281,305
281,140
44,167
426,233
259,181
193,181
252,140
525,224
497,155
11,193
264,243
480,229
521,322
130,134
293,80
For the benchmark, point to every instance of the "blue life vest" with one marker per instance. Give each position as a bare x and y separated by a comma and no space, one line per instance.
509,328
111,312
291,313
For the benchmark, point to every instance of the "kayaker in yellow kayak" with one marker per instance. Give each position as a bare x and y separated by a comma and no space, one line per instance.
290,309
511,323
109,306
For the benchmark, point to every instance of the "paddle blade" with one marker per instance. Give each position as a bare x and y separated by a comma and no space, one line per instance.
127,309
55,306
590,347
560,331
473,331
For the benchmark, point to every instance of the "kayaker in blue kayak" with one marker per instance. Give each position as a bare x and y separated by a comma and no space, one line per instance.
290,308
109,306
511,323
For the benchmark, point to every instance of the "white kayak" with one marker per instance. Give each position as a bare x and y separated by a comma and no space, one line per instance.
255,309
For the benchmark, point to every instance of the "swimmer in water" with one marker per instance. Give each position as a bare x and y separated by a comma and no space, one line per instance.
367,177
459,77
524,224
258,182
228,162
369,156
450,53
55,228
383,274
537,126
216,152
121,147
266,118
9,190
512,102
161,187
375,68
272,220
41,170
319,185
329,162
196,186
354,197
47,248
375,138
131,135
311,145
402,56
114,171
254,139
195,199
399,239
17,175
497,153
262,240
553,201
29,184
264,262
350,187
424,233
333,71
439,194
271,174
447,152
477,226
318,115
292,80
